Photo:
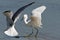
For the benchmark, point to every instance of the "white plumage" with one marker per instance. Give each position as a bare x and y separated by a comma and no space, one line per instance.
11,20
11,31
35,19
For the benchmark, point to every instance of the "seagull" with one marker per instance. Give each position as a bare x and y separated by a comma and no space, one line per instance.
11,20
35,19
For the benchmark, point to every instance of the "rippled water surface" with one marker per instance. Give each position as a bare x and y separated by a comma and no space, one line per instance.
50,19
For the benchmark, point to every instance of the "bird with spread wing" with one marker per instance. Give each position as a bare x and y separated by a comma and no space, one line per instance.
35,18
11,20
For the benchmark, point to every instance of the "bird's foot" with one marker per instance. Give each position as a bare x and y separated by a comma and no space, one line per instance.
35,36
16,36
28,35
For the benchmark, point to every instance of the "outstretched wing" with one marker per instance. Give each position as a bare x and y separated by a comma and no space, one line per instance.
18,12
38,11
36,15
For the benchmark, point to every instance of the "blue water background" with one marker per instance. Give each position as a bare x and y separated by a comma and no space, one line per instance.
50,19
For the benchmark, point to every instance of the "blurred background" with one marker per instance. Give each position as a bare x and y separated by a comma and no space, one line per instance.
50,19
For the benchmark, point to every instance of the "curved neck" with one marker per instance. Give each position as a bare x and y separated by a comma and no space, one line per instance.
25,20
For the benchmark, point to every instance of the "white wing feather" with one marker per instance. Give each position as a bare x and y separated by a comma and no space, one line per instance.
38,11
11,31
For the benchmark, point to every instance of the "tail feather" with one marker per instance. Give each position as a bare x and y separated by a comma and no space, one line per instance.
11,32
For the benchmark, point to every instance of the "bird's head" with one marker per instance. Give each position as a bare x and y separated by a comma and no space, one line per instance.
25,16
7,13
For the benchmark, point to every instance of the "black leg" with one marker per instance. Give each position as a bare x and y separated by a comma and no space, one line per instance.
36,32
30,33
16,36
26,35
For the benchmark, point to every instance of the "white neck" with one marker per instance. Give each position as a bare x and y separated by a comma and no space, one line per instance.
25,20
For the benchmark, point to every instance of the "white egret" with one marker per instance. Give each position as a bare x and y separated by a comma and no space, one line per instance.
11,20
35,19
